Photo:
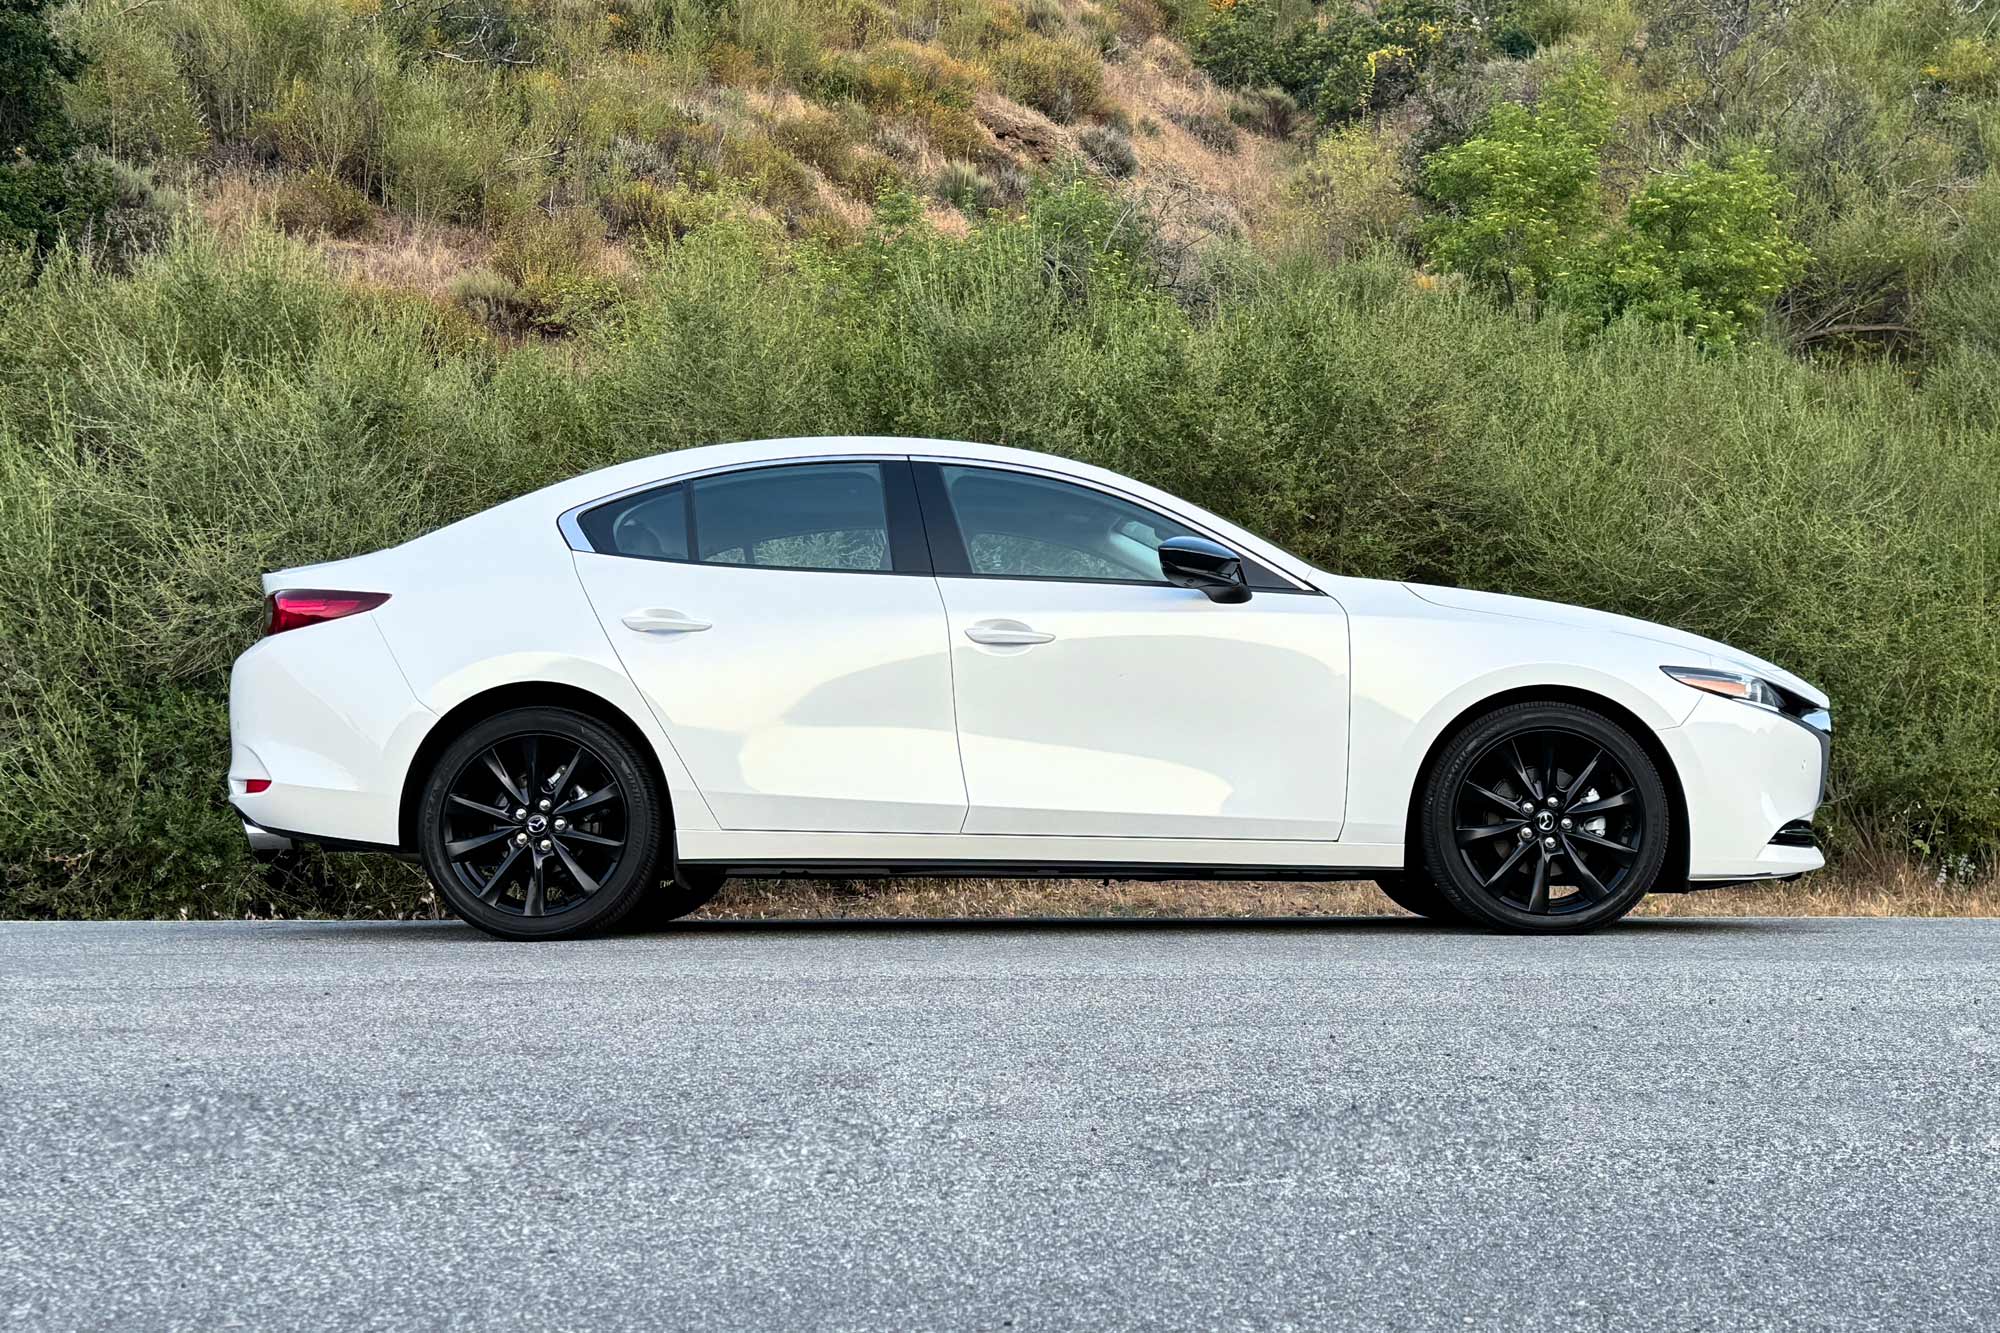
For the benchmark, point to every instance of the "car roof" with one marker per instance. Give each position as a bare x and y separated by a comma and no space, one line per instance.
659,469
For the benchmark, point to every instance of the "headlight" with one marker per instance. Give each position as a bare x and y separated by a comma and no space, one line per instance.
1730,685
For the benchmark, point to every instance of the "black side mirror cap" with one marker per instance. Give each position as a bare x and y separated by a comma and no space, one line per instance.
1210,568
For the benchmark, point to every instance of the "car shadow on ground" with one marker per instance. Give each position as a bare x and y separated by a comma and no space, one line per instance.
1374,926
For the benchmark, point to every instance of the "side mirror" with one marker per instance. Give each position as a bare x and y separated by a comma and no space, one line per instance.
1208,567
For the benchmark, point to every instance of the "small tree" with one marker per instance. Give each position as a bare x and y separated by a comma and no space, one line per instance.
1522,195
43,189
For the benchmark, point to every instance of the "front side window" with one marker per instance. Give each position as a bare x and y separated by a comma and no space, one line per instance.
1020,526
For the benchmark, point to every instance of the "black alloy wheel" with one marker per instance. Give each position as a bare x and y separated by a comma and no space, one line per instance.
541,823
1545,817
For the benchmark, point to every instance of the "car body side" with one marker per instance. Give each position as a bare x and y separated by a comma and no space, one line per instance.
339,717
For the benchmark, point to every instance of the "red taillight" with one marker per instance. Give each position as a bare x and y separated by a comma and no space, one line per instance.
251,786
309,606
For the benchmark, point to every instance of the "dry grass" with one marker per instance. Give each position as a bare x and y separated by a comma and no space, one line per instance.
1902,889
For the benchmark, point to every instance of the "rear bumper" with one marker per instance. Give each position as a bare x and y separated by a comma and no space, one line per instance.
263,842
323,715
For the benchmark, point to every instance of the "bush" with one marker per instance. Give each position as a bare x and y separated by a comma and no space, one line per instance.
320,203
44,189
1109,149
1060,78
966,188
1351,192
168,434
1705,251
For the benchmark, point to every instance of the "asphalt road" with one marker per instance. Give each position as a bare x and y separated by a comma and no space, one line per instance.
1677,1123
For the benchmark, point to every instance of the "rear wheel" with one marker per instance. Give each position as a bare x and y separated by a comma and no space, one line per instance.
1545,817
541,823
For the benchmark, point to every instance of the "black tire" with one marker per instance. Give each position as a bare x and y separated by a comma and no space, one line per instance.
573,847
1544,818
1415,891
688,889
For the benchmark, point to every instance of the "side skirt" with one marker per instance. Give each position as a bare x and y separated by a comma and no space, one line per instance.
1127,870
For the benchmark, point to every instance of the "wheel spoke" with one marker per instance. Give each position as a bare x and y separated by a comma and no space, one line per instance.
1592,886
1576,784
605,793
1602,804
534,744
490,811
1511,807
536,899
583,881
1548,774
1471,833
1528,784
1512,860
595,840
465,847
567,771
1617,849
492,884
499,770
1538,887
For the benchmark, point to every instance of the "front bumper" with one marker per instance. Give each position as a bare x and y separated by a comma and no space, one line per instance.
1747,773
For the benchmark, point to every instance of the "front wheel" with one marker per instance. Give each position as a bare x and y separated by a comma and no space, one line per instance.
1545,817
541,823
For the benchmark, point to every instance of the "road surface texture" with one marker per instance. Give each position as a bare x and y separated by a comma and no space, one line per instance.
1698,1124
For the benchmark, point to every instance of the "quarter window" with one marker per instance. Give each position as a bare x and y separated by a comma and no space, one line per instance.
651,526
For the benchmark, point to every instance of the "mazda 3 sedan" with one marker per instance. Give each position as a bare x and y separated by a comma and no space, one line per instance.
875,657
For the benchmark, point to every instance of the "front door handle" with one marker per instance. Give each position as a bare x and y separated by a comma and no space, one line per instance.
1005,634
660,620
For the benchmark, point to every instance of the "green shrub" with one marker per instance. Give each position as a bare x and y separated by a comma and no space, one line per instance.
966,188
1060,78
168,434
1704,250
320,203
1109,149
131,99
45,189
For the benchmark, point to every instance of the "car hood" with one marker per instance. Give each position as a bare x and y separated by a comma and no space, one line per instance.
1556,613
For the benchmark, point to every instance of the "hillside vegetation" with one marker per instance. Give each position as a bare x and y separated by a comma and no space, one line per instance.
1680,309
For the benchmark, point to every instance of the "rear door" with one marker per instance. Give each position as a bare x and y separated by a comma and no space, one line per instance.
783,624
1096,699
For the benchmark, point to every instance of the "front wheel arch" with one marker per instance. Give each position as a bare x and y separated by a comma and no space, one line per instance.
470,712
1673,874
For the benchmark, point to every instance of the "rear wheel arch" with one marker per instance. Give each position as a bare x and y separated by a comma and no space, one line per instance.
1675,872
470,712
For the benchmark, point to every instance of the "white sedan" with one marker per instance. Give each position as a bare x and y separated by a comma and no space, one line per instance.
873,657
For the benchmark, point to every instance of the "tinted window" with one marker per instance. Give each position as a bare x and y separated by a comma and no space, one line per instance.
652,526
1021,526
809,516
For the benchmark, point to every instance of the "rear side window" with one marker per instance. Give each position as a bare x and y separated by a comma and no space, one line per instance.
823,516
809,516
649,526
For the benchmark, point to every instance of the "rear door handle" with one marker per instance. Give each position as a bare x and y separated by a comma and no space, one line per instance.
1005,634
661,620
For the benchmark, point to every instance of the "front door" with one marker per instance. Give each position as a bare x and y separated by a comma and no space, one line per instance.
1096,699
784,627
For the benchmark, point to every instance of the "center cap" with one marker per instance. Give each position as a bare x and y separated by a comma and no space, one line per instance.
1545,821
536,823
